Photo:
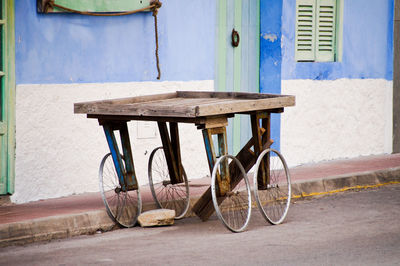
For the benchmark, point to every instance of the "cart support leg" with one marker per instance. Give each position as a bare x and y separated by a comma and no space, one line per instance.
172,150
176,148
223,183
125,173
260,139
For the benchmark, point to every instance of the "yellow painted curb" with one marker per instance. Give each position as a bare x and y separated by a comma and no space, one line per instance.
342,190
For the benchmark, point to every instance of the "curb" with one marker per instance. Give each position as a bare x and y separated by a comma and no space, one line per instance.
346,182
54,227
65,226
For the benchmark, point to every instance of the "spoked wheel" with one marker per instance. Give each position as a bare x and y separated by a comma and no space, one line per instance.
165,194
233,208
273,198
123,207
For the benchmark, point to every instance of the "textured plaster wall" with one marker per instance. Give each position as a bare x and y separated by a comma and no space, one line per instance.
336,119
58,152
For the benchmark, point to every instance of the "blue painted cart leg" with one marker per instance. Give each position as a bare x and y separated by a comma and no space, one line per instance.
208,143
126,173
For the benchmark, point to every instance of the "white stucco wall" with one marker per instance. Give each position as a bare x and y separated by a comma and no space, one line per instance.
58,152
336,119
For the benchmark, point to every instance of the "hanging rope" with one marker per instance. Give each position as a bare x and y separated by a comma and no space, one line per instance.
154,6
155,11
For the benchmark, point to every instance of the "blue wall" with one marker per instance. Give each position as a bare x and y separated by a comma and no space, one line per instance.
270,46
367,43
69,48
271,56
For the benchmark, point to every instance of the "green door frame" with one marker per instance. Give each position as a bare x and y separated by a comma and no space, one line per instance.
7,121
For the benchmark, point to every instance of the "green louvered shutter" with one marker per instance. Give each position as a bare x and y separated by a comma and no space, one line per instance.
325,31
305,30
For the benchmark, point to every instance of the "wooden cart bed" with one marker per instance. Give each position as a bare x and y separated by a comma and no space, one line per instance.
186,104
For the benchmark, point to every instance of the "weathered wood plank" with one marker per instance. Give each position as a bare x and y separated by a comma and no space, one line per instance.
190,102
181,102
227,95
237,106
136,110
81,107
192,120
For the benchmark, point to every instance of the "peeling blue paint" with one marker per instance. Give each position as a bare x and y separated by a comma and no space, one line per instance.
269,37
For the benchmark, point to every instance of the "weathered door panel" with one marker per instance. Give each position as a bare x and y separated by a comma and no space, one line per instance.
237,68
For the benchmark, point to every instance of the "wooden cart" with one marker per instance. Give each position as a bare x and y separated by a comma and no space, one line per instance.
229,193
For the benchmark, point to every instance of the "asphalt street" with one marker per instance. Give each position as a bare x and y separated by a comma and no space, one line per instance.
350,228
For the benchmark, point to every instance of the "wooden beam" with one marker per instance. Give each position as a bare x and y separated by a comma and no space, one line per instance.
128,158
176,151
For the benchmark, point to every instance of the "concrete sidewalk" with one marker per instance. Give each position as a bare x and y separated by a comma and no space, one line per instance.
85,214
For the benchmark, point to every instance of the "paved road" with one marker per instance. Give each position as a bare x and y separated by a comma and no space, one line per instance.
352,228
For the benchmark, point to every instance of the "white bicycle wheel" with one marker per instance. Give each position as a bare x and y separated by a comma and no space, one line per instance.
273,198
123,207
165,194
234,207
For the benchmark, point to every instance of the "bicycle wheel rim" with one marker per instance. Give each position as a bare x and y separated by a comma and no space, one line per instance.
273,201
122,207
235,215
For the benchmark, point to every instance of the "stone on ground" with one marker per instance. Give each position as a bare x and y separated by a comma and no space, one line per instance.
158,217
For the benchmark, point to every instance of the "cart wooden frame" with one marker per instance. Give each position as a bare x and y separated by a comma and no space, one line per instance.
209,111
